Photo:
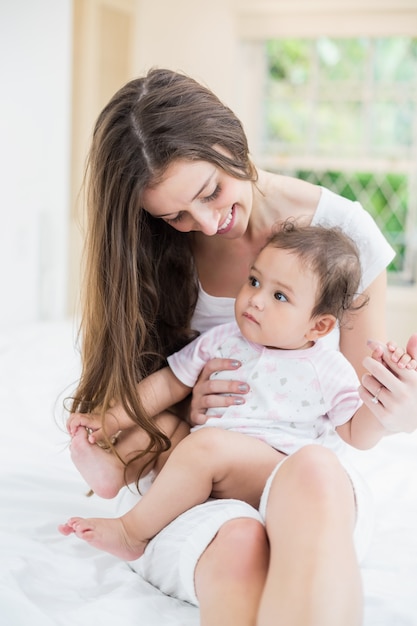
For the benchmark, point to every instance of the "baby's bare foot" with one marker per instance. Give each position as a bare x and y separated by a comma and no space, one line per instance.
101,470
105,534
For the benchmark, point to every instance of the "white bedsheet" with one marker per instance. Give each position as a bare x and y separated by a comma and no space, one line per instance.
50,580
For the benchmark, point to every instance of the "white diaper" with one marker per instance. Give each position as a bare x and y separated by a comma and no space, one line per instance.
170,558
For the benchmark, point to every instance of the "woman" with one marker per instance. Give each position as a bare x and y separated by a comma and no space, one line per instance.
177,212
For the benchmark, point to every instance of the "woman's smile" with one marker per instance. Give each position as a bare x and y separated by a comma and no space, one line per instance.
228,222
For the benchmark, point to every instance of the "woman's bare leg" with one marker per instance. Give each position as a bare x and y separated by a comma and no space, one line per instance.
313,578
230,574
104,472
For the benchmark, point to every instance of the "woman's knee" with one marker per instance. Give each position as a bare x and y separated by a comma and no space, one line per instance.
316,473
239,554
246,541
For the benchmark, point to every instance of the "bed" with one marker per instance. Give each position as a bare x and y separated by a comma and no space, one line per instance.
50,580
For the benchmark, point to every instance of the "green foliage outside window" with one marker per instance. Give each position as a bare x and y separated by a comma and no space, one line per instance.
384,196
354,99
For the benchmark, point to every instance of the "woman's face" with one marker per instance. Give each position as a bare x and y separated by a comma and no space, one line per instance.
199,196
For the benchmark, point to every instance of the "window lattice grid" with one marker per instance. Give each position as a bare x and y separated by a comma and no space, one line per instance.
354,100
383,195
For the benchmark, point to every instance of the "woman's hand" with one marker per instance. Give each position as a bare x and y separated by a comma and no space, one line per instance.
114,421
83,420
389,389
209,393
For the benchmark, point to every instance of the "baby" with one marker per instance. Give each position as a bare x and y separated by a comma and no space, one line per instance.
303,282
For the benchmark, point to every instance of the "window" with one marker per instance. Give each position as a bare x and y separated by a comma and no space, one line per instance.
342,112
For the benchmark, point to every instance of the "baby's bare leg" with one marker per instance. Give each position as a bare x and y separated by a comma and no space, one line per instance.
208,462
104,472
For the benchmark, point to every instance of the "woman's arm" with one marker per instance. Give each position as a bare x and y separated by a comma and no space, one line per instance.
396,409
364,430
368,322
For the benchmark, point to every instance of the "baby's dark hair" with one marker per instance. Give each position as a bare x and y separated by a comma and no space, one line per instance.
333,257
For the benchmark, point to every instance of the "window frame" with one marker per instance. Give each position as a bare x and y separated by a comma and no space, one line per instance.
306,19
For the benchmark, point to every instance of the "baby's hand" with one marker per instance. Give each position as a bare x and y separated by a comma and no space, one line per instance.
392,352
401,357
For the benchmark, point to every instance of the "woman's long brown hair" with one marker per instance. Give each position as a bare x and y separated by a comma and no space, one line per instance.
140,283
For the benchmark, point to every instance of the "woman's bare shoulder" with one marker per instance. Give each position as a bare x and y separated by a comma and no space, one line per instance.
295,197
299,193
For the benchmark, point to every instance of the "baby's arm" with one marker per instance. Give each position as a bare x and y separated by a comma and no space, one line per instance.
157,392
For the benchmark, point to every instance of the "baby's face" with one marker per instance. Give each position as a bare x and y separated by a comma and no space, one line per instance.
274,306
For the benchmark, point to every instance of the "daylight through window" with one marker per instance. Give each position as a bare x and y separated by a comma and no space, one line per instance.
343,113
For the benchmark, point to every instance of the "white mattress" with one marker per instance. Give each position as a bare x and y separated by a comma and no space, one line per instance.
50,580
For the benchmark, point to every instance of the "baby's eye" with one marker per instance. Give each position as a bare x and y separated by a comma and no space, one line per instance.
278,295
214,195
254,282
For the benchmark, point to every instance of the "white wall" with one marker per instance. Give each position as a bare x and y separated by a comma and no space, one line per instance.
35,110
194,36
